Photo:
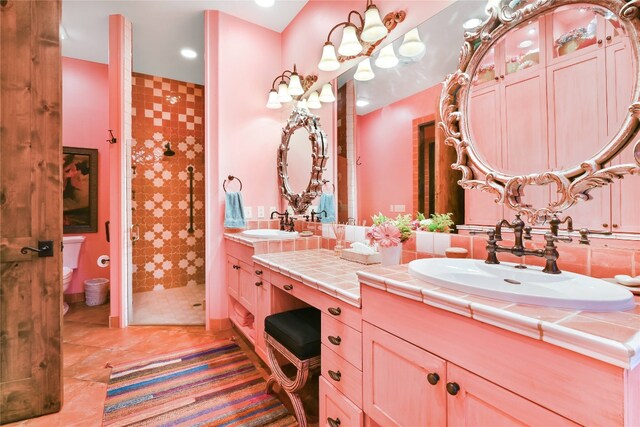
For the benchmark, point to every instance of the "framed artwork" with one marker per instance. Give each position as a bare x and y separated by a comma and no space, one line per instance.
80,190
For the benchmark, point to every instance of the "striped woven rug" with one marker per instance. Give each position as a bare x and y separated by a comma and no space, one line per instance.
216,385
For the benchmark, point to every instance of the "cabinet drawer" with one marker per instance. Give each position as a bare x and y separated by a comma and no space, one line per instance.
341,311
345,341
262,273
335,409
345,377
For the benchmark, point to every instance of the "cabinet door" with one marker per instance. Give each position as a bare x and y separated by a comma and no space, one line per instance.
247,287
263,309
232,277
396,388
479,402
625,197
335,409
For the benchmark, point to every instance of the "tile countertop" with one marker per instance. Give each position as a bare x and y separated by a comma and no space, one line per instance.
320,269
612,337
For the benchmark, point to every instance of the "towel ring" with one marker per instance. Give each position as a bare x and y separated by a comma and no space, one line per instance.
231,178
326,181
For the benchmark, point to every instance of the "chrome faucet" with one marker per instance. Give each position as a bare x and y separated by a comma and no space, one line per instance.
521,233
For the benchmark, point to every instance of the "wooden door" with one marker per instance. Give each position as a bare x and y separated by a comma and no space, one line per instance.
233,280
479,402
396,387
30,210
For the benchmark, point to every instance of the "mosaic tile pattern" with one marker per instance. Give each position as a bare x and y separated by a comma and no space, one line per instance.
176,306
164,112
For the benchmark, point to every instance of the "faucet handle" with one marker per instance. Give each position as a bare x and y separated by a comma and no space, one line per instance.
527,232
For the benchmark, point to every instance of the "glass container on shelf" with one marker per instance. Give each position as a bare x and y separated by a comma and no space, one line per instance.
575,27
487,69
522,48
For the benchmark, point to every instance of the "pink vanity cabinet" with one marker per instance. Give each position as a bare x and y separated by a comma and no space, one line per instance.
430,367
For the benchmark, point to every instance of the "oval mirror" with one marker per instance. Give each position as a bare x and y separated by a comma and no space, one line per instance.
302,156
545,96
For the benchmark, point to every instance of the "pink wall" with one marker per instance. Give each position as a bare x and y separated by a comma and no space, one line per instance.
384,143
241,134
85,120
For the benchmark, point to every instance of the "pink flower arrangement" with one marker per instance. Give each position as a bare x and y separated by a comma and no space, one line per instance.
386,235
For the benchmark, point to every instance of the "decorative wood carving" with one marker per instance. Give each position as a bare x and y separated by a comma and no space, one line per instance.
299,202
573,184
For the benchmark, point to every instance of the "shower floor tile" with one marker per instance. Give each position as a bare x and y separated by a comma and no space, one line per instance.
175,306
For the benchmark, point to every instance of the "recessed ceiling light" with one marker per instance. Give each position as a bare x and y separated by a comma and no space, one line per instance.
532,31
525,44
472,23
362,103
265,3
188,53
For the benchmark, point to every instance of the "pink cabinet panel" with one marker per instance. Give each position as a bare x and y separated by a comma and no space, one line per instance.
396,386
233,279
247,288
335,409
485,123
345,377
479,402
345,341
263,309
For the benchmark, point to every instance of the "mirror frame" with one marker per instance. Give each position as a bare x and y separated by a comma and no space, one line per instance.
573,184
298,119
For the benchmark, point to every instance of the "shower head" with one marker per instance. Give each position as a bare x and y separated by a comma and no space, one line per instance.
168,152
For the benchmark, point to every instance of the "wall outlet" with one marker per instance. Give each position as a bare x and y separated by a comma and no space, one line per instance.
400,208
248,212
260,211
391,208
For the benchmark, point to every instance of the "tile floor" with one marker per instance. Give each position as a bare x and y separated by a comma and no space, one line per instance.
174,306
90,348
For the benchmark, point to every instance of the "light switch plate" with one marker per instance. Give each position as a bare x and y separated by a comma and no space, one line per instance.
391,208
400,208
248,212
260,211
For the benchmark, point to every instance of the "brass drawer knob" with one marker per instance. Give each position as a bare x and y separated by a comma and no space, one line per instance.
453,388
335,375
333,422
334,340
433,378
259,272
335,311
287,287
259,283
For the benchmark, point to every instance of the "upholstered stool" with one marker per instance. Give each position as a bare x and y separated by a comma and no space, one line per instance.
296,336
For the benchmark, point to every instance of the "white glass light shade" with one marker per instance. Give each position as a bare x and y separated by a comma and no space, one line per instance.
411,44
314,101
326,94
329,60
364,71
387,57
273,102
283,93
373,29
302,104
350,45
295,88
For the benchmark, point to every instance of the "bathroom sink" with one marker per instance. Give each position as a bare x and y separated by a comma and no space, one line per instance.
528,286
270,234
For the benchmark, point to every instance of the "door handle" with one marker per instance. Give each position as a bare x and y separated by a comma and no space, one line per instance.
135,236
44,249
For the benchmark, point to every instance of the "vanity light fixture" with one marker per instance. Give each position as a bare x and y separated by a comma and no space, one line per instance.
411,44
265,3
326,94
472,23
302,105
364,72
387,57
188,53
358,40
289,86
314,101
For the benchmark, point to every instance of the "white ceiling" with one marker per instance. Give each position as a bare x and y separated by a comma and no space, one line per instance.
160,29
443,37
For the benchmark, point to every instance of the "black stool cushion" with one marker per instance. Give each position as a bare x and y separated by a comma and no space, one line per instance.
297,330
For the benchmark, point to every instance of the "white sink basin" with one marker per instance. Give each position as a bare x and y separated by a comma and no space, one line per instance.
270,234
527,286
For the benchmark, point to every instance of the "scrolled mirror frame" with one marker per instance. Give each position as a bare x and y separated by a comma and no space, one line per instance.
572,184
299,118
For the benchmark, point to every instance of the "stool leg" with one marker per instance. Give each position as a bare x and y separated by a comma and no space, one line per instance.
301,415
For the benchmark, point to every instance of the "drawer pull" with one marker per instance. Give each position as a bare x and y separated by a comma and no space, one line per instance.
236,267
259,272
287,287
335,311
333,422
334,340
433,378
335,375
259,283
453,388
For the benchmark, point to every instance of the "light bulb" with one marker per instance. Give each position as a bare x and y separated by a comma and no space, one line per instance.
373,29
329,61
302,105
314,101
387,57
411,44
273,102
326,94
350,45
295,88
283,93
364,71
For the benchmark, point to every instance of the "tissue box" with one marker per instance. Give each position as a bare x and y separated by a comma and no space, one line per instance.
352,255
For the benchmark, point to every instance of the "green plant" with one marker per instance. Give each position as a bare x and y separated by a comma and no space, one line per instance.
437,223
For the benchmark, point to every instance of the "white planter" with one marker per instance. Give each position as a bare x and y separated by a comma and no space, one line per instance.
392,255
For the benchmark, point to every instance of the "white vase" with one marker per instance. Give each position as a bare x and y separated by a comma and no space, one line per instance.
391,255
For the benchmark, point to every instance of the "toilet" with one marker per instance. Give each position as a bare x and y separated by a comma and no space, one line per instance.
70,255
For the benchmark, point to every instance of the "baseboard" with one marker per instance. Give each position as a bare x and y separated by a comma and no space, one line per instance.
114,321
73,298
217,325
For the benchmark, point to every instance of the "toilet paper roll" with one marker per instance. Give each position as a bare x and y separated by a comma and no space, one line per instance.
103,261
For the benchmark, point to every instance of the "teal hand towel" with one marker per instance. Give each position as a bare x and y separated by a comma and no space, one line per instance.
234,211
327,204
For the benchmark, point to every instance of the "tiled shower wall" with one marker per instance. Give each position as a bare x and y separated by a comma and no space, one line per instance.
167,254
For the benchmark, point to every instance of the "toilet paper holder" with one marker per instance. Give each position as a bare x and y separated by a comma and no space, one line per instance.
103,261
